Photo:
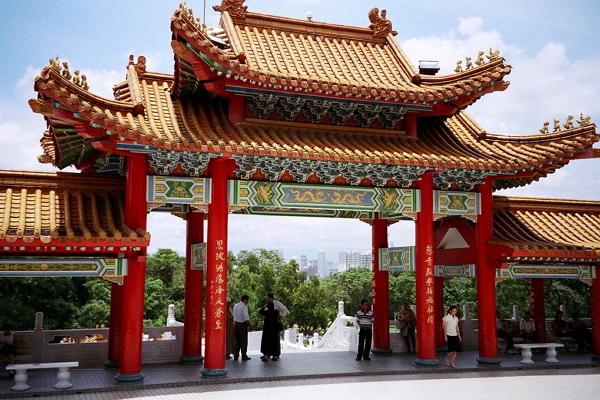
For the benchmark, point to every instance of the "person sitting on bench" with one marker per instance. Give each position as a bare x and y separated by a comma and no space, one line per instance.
502,333
527,328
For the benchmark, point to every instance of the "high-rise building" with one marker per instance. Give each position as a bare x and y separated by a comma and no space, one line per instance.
366,260
323,264
353,259
313,268
303,263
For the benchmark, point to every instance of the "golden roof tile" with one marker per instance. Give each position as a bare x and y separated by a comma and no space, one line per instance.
59,207
539,224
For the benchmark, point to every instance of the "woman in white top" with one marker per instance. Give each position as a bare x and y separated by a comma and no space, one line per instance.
452,334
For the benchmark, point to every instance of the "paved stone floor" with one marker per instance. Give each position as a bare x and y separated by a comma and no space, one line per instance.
315,368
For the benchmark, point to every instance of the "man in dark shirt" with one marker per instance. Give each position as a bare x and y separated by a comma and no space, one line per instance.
364,318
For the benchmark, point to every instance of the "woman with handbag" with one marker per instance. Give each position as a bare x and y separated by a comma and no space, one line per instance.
270,345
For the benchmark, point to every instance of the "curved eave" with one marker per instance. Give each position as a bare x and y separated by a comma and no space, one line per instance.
461,90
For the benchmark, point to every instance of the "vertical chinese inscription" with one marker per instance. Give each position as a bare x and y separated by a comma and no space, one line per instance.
219,291
429,285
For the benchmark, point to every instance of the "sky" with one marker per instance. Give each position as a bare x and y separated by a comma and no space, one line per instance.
552,46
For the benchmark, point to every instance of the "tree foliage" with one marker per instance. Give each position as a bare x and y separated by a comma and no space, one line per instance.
85,303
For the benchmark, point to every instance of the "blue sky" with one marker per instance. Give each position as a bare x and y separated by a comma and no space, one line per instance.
552,45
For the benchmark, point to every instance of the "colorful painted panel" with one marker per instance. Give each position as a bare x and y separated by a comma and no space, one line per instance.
198,261
279,195
453,271
52,267
585,273
163,190
463,204
397,259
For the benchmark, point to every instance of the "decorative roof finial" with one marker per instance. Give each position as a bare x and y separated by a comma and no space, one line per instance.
556,125
545,128
584,120
380,25
140,66
569,122
235,8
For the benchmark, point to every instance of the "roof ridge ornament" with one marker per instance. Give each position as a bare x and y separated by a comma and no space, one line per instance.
235,8
380,25
140,66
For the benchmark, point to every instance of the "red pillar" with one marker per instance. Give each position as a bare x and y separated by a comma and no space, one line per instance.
132,310
486,280
216,269
424,276
595,300
194,285
114,325
381,300
440,311
539,313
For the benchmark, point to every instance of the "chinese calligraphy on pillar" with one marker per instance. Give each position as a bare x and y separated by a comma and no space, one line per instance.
429,284
219,291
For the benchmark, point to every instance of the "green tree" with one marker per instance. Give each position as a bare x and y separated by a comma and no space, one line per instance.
96,310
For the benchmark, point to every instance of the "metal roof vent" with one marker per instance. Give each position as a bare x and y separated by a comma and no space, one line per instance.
428,67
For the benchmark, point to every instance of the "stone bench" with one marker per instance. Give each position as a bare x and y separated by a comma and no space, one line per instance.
550,351
63,378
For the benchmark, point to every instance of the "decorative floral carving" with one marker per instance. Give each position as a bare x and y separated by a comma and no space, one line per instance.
380,25
235,8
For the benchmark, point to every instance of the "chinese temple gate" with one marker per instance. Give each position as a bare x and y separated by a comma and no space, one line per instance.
279,116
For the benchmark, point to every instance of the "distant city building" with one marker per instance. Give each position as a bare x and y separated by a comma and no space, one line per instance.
303,263
353,259
313,268
322,271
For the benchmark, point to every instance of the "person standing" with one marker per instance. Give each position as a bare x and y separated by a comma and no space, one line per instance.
229,338
452,333
241,323
408,322
364,317
270,344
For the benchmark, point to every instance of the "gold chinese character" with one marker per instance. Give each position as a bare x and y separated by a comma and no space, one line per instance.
430,319
429,300
429,250
219,244
429,281
429,261
218,313
428,272
219,279
218,324
428,291
220,256
219,290
429,309
219,267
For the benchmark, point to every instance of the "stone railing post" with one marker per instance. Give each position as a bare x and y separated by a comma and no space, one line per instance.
466,310
515,312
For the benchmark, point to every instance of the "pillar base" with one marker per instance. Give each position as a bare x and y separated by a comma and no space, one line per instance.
111,364
381,351
213,373
595,357
127,378
489,360
429,362
192,359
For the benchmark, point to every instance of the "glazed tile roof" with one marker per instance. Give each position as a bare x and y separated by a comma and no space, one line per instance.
300,55
547,225
197,123
59,207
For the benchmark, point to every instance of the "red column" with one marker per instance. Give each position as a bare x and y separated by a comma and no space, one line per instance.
440,311
381,300
424,277
595,300
114,325
216,269
539,313
486,280
194,285
132,311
